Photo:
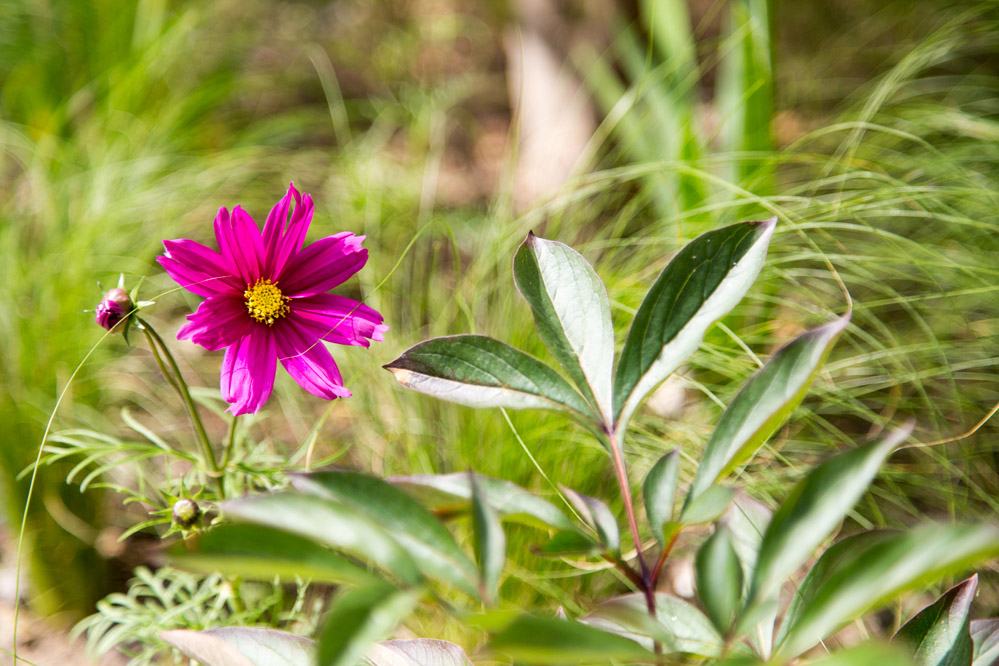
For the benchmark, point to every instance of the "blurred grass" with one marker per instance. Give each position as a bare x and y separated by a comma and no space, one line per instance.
119,132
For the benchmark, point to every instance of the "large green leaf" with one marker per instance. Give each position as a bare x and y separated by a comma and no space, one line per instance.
679,626
764,402
256,551
719,578
869,569
242,646
328,523
424,537
939,634
868,654
447,493
478,371
703,282
814,508
658,491
985,637
570,542
357,619
572,313
416,652
490,542
535,640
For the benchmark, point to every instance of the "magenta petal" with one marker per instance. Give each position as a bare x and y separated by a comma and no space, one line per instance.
248,372
339,319
199,269
219,322
274,229
323,265
309,363
239,240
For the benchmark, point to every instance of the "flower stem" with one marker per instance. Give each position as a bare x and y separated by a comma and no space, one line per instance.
230,440
622,481
208,454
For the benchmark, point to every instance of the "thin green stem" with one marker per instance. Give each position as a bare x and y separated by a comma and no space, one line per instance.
208,454
230,441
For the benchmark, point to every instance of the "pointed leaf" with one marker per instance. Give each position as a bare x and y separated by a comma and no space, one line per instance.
328,523
597,515
416,652
424,537
869,569
490,542
708,506
939,634
763,404
719,578
447,493
478,371
703,282
814,508
985,637
572,313
358,618
260,552
536,640
679,626
659,490
242,646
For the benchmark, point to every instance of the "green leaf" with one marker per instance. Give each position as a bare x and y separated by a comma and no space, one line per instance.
719,578
242,646
490,542
679,626
478,371
328,523
703,282
535,640
597,515
869,569
747,520
423,536
416,652
708,506
448,493
985,638
814,508
939,634
763,404
659,490
570,542
572,313
358,618
868,654
260,552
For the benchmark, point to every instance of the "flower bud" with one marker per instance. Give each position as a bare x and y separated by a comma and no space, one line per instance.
186,513
114,307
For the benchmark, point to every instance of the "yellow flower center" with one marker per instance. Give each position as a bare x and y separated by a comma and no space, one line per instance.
265,302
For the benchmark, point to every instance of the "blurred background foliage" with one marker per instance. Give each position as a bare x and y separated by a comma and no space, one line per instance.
445,130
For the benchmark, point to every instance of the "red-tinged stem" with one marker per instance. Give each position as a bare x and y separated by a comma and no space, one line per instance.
657,569
629,508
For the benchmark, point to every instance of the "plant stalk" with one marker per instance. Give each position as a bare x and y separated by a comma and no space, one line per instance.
629,508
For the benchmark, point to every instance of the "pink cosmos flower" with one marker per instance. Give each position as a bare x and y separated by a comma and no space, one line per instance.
266,300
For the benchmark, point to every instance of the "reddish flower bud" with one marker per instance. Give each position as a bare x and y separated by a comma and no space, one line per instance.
114,307
186,513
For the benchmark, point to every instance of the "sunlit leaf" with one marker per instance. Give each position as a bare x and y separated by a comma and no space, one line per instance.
679,626
572,313
451,492
242,646
478,371
703,282
813,509
416,652
719,578
256,551
427,541
764,403
939,634
708,506
871,568
985,638
597,515
868,654
570,542
490,542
